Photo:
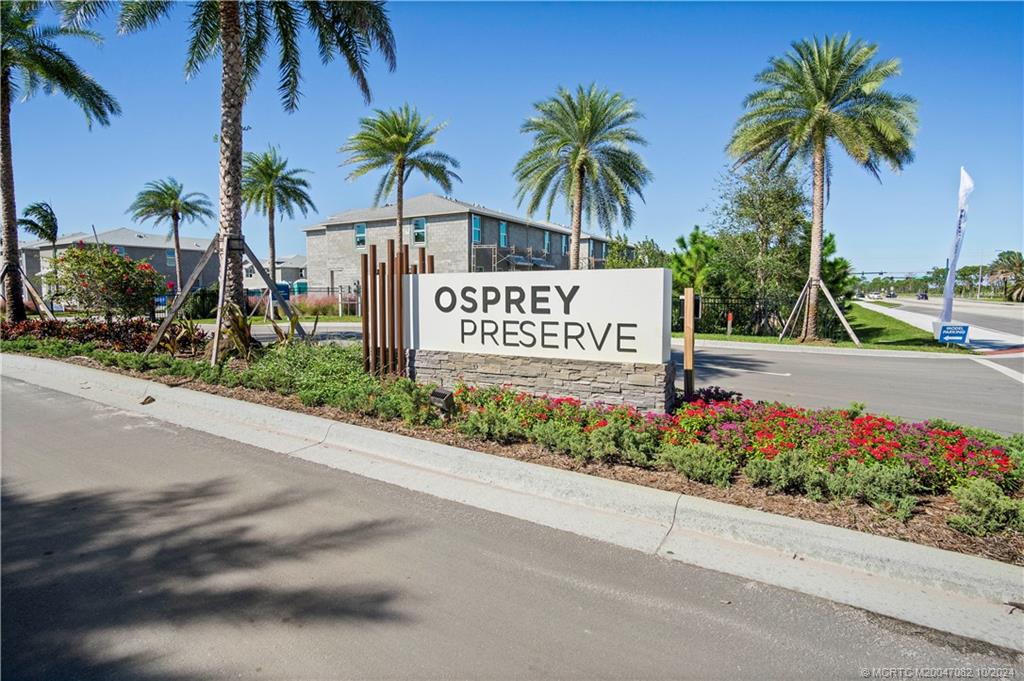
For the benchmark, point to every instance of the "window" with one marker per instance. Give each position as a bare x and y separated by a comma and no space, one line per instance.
250,272
547,242
590,247
476,229
120,250
419,232
169,254
565,244
361,235
503,234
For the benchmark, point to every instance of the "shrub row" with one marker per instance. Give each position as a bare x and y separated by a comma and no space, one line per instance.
122,335
825,454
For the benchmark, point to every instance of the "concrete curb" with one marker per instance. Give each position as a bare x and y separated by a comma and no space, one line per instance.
812,350
951,592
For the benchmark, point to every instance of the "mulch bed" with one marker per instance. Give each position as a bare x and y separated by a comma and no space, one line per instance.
927,526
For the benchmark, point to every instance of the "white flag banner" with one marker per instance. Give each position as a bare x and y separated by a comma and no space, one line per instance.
966,187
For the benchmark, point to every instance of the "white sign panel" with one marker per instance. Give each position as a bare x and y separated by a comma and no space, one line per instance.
598,315
966,187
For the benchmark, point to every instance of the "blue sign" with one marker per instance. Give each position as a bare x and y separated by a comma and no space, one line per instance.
160,300
953,333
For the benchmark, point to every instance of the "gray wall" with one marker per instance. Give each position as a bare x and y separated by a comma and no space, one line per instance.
333,248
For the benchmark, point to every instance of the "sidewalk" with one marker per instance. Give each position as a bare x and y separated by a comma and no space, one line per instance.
952,592
978,337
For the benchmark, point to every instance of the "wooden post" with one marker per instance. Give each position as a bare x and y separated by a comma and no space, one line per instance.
430,264
374,357
414,270
382,317
688,343
400,313
839,313
422,256
179,300
405,260
222,283
363,295
389,279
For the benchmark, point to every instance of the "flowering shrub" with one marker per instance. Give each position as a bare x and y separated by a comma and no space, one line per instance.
313,304
96,278
818,443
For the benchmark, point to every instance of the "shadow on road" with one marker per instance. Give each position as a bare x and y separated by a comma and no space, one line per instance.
81,569
715,368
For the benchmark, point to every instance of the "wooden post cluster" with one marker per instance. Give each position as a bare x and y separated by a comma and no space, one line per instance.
383,301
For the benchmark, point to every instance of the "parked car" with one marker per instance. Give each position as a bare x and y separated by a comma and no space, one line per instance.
874,295
923,295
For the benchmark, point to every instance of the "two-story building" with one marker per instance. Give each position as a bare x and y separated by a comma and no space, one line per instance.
462,237
157,249
290,269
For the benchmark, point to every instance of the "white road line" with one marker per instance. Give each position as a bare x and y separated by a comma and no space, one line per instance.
1006,371
746,371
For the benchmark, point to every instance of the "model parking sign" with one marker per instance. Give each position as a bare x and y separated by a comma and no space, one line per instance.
952,333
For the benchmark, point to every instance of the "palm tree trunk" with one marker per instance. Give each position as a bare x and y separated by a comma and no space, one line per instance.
273,258
817,224
178,281
400,202
53,265
12,281
577,222
231,100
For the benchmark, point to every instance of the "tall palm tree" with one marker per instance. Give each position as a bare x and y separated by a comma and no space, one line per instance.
394,141
165,201
821,93
241,33
40,221
30,60
1009,268
582,155
269,185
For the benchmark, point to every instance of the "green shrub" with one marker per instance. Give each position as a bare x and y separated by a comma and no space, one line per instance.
699,462
890,489
492,424
97,278
561,436
985,509
791,472
758,472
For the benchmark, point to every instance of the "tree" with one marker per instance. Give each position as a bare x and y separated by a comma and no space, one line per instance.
836,271
41,222
1009,269
821,93
691,263
582,155
642,254
30,60
97,278
758,221
269,186
395,141
241,32
165,201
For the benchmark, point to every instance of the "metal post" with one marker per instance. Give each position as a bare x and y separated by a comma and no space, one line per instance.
363,292
382,314
389,279
374,340
688,343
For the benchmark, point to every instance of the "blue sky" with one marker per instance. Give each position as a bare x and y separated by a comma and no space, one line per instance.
480,66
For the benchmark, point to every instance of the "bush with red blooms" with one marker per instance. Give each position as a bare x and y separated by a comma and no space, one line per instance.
122,335
831,440
97,278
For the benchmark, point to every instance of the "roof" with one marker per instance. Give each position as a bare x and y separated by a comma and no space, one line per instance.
43,243
292,261
431,204
128,237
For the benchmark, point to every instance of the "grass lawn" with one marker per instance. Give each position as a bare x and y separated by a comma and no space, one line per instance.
875,330
884,303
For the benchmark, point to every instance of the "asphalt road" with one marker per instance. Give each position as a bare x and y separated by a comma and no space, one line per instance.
959,389
133,549
1001,317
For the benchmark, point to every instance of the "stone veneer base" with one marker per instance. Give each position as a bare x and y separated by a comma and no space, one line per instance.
645,386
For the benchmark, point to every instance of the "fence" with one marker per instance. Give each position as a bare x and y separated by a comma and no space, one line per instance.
756,316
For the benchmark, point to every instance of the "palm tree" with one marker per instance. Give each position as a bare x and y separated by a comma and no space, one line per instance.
30,60
269,185
1009,268
581,154
394,141
41,222
824,92
165,201
240,32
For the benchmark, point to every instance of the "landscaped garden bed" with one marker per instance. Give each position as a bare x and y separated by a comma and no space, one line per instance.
932,482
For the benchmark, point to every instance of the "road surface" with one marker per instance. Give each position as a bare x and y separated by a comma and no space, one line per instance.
133,549
961,389
999,316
